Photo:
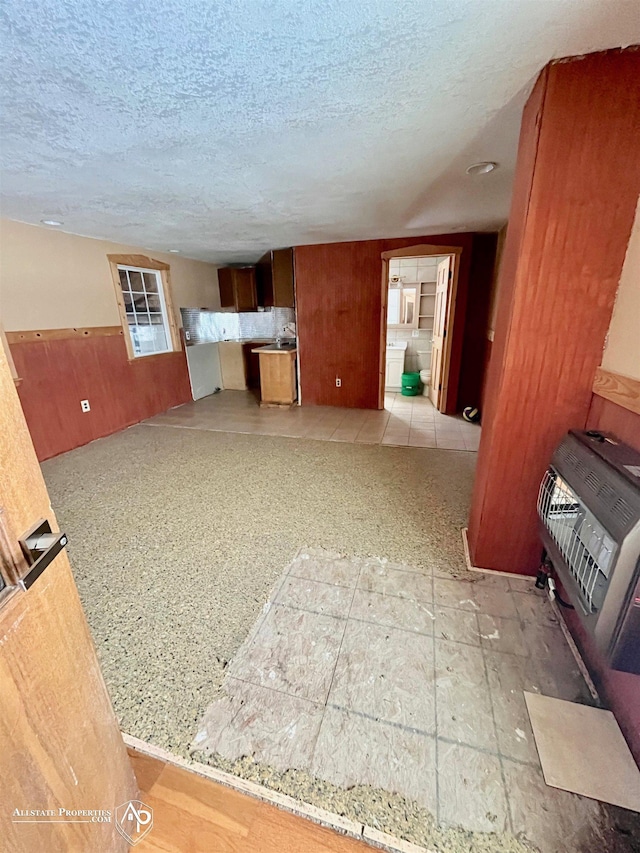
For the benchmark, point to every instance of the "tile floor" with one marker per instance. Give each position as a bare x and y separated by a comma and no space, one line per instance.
406,421
365,672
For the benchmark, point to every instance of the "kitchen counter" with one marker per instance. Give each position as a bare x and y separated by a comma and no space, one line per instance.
275,348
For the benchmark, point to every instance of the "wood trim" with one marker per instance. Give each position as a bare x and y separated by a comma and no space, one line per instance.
422,250
138,261
63,334
148,263
5,346
619,389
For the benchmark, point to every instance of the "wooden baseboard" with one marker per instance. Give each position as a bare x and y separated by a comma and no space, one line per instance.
63,334
621,390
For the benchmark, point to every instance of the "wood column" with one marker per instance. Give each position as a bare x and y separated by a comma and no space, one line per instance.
576,188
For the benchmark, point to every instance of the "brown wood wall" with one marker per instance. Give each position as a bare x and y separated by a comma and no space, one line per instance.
575,193
338,300
57,374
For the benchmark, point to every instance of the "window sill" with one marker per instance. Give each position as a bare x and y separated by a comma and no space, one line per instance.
138,359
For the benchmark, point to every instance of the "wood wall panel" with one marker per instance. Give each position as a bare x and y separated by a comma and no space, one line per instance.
474,340
575,193
57,374
338,300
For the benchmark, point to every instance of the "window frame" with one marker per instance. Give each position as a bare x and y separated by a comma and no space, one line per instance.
141,263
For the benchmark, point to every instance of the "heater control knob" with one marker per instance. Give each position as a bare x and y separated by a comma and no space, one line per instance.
593,433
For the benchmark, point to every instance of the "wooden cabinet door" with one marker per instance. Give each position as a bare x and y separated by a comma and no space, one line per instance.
225,283
244,280
60,745
282,276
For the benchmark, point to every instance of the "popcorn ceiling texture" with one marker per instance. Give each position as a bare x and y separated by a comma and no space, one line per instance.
225,128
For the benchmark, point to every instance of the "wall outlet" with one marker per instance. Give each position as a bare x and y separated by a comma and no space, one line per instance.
415,333
84,405
338,382
187,335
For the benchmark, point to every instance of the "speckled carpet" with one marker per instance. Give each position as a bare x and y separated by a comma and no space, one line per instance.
176,537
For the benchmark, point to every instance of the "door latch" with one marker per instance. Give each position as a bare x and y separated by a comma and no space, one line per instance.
40,546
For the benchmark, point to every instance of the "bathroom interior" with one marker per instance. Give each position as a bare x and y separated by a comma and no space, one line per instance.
410,314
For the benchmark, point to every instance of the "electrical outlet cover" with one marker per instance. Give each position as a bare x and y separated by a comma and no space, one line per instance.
84,405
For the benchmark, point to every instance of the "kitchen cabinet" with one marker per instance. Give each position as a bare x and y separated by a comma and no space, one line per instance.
238,288
278,382
275,279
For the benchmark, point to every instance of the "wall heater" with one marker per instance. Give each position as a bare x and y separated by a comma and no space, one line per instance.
589,510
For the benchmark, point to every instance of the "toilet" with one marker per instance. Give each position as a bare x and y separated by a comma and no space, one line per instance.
425,378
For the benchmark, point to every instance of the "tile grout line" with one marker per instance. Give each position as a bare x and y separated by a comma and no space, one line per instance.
335,666
495,730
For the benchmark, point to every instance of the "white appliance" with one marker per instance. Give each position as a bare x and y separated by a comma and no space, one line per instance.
205,376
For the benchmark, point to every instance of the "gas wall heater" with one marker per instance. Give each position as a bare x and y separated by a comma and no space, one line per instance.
589,509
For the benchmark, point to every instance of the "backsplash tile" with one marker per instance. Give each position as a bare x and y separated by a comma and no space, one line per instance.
211,326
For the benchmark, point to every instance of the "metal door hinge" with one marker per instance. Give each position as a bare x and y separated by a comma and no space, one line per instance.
40,546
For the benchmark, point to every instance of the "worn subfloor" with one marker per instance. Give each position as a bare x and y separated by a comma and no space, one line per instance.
178,537
405,421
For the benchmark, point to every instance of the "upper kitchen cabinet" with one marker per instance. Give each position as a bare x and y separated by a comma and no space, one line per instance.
238,288
275,279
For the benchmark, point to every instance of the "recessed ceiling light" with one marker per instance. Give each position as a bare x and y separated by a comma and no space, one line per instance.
175,251
53,222
481,168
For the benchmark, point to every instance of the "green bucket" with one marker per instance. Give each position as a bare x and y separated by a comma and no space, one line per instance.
411,385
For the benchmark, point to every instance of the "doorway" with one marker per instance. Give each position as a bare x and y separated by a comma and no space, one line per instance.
418,294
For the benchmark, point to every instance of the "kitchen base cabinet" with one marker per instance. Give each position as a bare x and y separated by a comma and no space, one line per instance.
278,384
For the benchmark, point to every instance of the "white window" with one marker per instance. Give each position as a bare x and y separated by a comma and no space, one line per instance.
145,310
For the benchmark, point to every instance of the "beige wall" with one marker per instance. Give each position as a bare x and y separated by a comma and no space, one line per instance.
53,280
622,349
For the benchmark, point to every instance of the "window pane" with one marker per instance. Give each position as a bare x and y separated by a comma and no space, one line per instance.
151,282
139,302
126,295
124,282
153,301
136,280
156,319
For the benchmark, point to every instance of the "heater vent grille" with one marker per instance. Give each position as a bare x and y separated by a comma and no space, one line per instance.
584,544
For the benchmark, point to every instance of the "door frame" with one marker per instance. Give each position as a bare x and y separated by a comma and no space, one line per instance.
421,250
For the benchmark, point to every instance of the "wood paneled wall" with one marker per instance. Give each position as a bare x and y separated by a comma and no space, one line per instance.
475,344
338,301
57,373
575,192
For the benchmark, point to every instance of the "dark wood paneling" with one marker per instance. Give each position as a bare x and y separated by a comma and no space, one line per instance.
58,374
474,342
338,299
575,193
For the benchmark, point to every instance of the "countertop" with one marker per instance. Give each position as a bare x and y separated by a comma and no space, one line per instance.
276,348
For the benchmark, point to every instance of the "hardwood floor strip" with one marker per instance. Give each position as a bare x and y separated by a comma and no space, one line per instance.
192,813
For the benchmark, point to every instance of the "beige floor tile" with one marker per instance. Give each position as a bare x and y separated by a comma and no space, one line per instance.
534,608
502,635
475,596
294,651
268,725
463,699
392,611
471,792
326,567
559,821
350,747
386,674
459,626
415,586
509,676
305,594
421,438
450,443
396,440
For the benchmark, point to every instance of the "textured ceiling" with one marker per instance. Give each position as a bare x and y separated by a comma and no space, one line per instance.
225,128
